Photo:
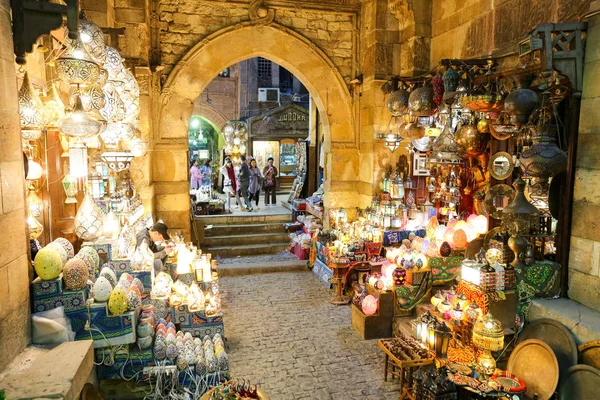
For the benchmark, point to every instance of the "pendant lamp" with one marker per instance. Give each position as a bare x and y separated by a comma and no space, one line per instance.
30,111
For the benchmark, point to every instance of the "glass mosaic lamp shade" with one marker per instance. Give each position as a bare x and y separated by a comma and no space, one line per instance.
89,220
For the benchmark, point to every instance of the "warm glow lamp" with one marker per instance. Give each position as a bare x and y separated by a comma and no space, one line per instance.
35,205
78,159
80,124
489,336
111,226
369,305
31,113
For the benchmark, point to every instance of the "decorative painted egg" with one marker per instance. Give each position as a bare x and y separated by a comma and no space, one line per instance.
180,334
200,366
109,274
162,321
211,362
406,242
92,253
89,261
135,289
440,232
199,351
170,325
205,339
134,301
445,249
180,347
369,305
75,274
460,239
399,276
117,303
61,252
189,345
102,289
126,276
160,350
172,331
125,283
223,361
188,336
139,284
190,357
411,236
161,332
170,338
144,342
198,341
425,246
171,351
68,246
217,336
432,250
449,236
48,264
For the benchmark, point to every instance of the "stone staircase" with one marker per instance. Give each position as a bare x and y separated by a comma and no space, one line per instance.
245,235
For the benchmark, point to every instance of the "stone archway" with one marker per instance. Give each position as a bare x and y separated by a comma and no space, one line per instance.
211,114
204,62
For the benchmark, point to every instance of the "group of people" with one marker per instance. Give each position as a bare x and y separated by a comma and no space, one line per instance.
245,180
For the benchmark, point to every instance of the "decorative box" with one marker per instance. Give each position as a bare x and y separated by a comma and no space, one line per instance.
71,300
108,330
205,329
44,289
120,266
102,246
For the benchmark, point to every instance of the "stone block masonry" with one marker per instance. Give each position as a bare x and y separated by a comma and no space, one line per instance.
183,25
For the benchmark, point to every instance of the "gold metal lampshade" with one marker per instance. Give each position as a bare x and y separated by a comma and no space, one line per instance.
76,67
54,108
80,124
488,333
31,113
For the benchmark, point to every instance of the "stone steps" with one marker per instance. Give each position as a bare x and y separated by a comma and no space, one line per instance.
248,229
248,250
244,219
245,236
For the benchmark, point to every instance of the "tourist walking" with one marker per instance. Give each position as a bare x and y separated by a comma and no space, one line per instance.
229,182
270,182
195,175
245,182
206,172
255,181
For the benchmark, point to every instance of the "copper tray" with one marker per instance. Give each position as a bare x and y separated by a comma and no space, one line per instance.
535,363
582,383
555,335
589,353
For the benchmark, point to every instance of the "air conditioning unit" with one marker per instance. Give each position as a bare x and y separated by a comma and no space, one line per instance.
268,94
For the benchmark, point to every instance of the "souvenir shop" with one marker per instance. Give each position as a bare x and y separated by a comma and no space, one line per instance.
464,232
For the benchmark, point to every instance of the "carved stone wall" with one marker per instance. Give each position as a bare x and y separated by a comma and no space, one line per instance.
184,24
477,28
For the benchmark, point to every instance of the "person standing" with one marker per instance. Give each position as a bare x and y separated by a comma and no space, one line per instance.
206,172
255,180
245,182
229,182
153,235
195,175
270,182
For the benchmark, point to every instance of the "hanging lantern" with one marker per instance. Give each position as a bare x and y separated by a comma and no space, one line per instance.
54,109
34,226
420,101
521,102
113,63
397,104
116,131
92,38
79,124
35,205
78,159
113,109
92,97
470,143
117,160
89,220
34,170
76,67
111,225
30,111
70,187
543,159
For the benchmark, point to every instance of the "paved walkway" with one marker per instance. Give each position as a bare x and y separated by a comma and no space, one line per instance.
284,335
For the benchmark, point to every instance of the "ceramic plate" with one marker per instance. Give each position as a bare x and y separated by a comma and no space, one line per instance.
534,362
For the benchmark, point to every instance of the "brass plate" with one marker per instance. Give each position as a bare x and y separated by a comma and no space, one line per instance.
589,353
555,335
534,362
498,197
501,165
582,383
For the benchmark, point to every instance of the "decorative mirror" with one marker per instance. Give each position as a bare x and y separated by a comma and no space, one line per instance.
420,164
501,165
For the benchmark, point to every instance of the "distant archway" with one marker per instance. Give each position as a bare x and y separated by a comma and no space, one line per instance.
229,46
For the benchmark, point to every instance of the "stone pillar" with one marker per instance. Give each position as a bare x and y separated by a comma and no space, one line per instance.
14,263
584,256
414,17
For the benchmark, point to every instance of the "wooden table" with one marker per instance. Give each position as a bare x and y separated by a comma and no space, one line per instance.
402,370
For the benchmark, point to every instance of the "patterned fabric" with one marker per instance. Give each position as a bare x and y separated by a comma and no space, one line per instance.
534,281
407,297
474,293
445,269
391,238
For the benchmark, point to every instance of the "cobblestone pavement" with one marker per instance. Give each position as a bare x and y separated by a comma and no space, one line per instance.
284,335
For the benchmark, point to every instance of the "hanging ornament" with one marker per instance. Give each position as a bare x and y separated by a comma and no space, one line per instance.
543,159
92,37
76,67
117,160
397,104
35,205
80,124
520,103
70,187
30,111
89,220
92,97
34,170
420,101
54,109
113,109
78,159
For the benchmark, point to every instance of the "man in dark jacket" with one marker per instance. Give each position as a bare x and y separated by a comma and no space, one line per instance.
156,233
245,181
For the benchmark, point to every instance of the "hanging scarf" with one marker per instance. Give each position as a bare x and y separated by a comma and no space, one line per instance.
231,175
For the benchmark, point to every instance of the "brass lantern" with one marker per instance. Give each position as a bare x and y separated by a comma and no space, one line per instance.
30,111
489,336
521,212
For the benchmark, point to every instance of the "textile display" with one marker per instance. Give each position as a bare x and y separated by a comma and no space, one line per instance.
476,294
445,269
534,281
407,297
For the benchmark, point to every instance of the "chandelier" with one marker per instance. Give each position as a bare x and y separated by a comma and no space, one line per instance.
76,67
80,124
392,140
117,160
